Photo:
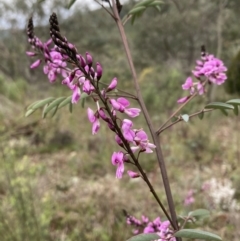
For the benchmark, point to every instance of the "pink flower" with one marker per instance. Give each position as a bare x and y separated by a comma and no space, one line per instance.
128,133
188,85
94,120
36,64
133,174
212,68
88,87
189,198
183,100
118,160
132,112
141,141
118,140
200,88
112,85
31,53
76,94
99,71
120,105
89,59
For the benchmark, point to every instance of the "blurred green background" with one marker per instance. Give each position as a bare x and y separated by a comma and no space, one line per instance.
56,179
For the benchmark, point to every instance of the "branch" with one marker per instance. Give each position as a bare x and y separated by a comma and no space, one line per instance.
181,119
155,138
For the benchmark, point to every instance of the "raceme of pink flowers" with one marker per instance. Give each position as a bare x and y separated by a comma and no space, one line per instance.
83,77
208,70
162,228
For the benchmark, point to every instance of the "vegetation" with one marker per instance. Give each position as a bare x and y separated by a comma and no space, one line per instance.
57,181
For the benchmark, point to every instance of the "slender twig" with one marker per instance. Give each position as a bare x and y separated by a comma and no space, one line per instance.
120,90
181,119
126,19
129,150
105,8
181,106
155,138
175,112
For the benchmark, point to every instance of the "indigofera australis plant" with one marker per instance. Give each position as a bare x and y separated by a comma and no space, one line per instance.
61,60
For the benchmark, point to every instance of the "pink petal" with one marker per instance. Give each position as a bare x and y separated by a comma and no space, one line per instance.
132,112
123,101
91,115
96,126
183,100
76,94
36,64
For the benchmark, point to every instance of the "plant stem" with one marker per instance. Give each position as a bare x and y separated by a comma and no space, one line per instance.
174,113
148,120
180,119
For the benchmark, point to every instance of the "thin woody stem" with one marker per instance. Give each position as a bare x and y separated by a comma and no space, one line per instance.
180,119
174,113
155,137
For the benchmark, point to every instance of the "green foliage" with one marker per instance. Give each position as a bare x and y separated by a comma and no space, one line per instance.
197,234
52,104
144,237
232,84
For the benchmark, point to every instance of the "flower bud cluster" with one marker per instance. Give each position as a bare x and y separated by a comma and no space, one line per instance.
209,70
162,228
83,77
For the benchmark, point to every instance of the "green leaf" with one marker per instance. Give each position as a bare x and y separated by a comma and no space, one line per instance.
70,3
43,112
224,112
65,102
54,111
143,3
197,234
137,10
158,8
185,117
201,115
219,105
41,103
53,104
199,212
144,237
133,19
234,102
155,3
70,107
29,112
235,110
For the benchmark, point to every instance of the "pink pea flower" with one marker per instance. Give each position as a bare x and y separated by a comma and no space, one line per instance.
94,120
183,100
52,76
141,141
188,85
76,94
128,133
112,85
189,198
36,64
88,87
200,88
118,160
133,174
118,140
89,59
121,105
99,71
212,68
28,53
